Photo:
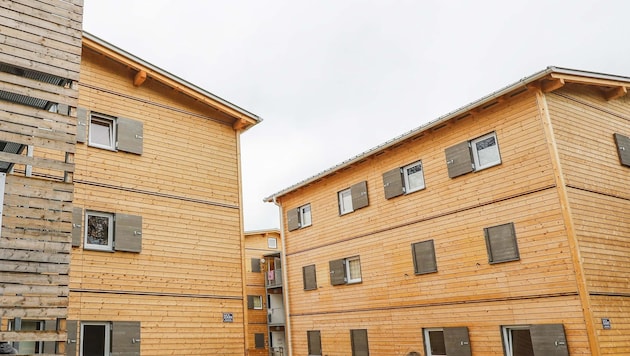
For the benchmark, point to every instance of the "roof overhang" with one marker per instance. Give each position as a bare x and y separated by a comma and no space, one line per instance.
243,119
547,80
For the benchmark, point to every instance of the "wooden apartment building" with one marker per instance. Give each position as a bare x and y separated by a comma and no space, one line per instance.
498,229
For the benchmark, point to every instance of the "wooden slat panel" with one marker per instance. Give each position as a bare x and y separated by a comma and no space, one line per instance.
37,162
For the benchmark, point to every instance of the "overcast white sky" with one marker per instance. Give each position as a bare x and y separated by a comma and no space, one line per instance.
334,78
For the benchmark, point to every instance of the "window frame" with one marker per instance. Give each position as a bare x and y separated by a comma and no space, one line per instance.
350,280
304,212
427,340
417,265
345,201
259,305
109,121
273,245
38,346
405,174
506,336
475,152
110,233
108,335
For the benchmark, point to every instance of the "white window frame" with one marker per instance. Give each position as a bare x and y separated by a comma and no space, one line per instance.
260,302
408,188
350,280
345,201
306,218
475,152
103,119
427,340
38,346
507,337
110,233
108,331
272,242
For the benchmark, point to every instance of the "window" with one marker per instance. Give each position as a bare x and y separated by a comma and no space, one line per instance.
99,231
424,257
353,198
255,265
28,347
102,131
359,341
95,339
447,341
259,340
543,339
623,149
254,302
474,155
501,243
272,242
345,271
299,217
309,277
314,340
403,180
106,231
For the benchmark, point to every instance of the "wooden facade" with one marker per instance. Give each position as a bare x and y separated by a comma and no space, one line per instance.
156,262
499,229
265,302
40,51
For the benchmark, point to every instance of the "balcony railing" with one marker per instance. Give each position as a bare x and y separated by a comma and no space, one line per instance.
274,278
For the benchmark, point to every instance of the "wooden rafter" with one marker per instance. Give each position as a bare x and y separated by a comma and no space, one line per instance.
140,77
615,93
549,85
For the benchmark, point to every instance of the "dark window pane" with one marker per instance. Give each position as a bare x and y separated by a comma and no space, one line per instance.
522,343
93,340
436,339
98,230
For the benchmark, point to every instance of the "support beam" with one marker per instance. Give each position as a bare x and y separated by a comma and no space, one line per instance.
239,124
615,93
140,77
549,85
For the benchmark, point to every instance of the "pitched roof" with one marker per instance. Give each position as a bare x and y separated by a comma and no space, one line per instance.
547,80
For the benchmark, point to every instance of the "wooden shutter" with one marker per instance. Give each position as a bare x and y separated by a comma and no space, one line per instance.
309,276
129,135
259,340
458,159
77,226
293,219
82,122
250,302
549,339
255,265
314,342
126,338
501,243
63,109
424,257
50,347
457,342
623,148
128,233
359,339
393,183
359,195
71,342
337,272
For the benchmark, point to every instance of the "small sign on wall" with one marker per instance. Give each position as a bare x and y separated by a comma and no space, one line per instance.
606,323
228,317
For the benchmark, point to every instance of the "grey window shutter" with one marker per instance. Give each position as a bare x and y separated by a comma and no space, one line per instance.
359,195
126,338
50,347
424,257
63,109
457,342
359,339
314,342
501,243
458,159
71,342
259,340
623,148
128,233
255,264
549,339
293,219
82,122
250,302
309,276
130,135
77,226
337,272
393,183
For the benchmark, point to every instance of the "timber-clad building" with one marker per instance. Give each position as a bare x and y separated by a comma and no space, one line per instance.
498,229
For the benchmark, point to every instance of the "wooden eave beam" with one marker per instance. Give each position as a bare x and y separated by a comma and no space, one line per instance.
139,78
589,80
615,93
549,85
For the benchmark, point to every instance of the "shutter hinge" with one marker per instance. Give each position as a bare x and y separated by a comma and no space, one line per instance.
450,161
140,137
135,233
76,225
135,341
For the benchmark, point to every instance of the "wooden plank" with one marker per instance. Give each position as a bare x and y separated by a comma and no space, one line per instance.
30,267
44,92
13,289
33,335
36,162
20,134
56,7
18,113
21,301
33,313
30,256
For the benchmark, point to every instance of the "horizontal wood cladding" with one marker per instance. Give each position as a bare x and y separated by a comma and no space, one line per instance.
525,167
463,271
399,331
169,325
187,247
603,232
584,125
616,309
42,35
